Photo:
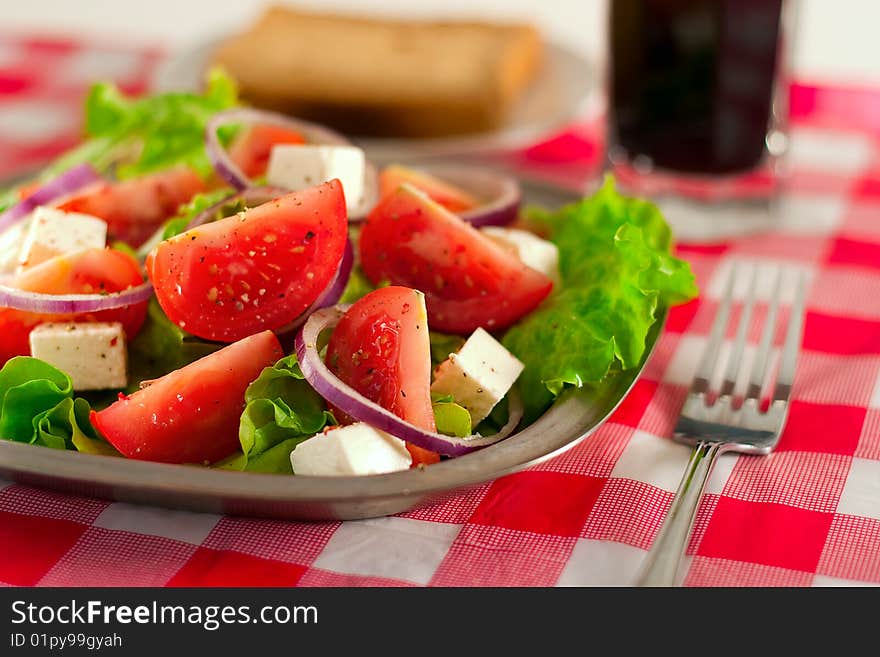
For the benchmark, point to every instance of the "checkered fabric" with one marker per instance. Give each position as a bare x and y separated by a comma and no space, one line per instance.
807,515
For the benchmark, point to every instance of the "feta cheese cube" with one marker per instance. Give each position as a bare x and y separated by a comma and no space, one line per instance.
298,166
535,252
53,232
478,376
356,449
92,353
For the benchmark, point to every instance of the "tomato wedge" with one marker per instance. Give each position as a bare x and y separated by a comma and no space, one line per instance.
190,415
135,208
449,196
468,280
86,272
381,349
254,271
251,149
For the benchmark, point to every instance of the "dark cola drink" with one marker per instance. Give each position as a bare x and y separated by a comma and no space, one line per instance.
692,82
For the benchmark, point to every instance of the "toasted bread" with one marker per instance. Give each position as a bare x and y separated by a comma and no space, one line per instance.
393,78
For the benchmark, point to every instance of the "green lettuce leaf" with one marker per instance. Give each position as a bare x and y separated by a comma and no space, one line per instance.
442,345
161,347
29,387
451,418
67,426
282,410
162,130
358,286
617,272
496,419
37,407
198,204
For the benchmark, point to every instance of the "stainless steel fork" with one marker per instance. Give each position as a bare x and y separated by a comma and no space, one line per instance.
716,424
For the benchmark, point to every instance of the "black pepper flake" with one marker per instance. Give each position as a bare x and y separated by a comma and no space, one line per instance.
309,235
403,393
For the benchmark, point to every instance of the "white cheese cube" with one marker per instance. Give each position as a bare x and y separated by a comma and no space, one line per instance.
298,166
535,252
92,353
53,232
355,449
478,376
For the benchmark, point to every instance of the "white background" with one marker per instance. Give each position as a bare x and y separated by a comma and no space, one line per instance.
836,40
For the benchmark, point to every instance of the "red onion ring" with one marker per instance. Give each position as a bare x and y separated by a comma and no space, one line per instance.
229,170
331,293
502,192
313,133
68,182
73,304
351,402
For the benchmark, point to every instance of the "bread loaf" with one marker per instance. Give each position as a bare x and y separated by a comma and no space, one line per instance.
380,77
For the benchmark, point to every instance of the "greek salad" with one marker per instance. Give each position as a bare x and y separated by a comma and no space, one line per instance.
203,283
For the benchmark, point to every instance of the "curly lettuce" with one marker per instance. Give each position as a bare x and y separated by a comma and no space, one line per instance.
161,346
282,410
37,407
617,273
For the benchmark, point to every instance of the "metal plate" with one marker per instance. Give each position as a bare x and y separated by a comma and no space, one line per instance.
574,417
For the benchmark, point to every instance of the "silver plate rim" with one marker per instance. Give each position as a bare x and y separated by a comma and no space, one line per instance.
204,489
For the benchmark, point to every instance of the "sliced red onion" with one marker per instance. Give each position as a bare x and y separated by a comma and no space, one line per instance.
73,304
229,170
354,404
500,194
331,293
65,184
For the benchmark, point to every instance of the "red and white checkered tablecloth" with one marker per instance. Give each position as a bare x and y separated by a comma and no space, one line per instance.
807,515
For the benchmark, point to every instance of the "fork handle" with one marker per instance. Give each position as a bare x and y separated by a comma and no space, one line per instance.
663,561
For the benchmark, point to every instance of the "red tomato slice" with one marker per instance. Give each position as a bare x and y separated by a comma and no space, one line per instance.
449,196
251,149
190,415
134,209
468,280
381,349
255,271
86,272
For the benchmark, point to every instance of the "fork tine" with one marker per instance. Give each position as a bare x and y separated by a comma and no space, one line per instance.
710,354
785,377
762,357
742,331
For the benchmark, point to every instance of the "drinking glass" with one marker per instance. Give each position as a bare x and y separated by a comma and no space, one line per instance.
698,94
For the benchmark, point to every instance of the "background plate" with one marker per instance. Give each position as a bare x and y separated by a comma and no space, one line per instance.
565,88
576,415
